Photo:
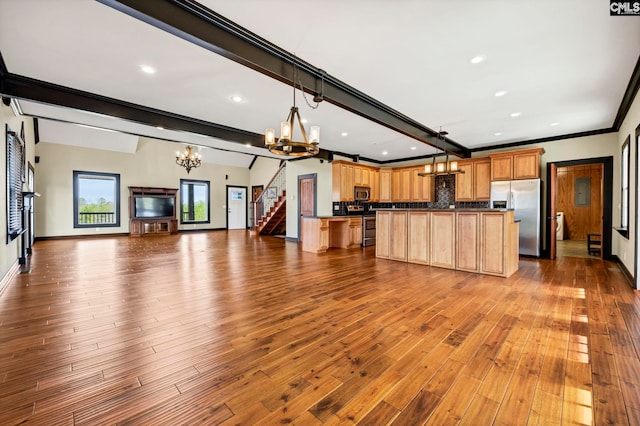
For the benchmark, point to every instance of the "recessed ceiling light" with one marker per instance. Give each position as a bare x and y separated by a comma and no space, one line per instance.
344,134
148,69
237,98
498,133
385,152
500,93
477,59
303,121
516,114
413,148
554,124
247,144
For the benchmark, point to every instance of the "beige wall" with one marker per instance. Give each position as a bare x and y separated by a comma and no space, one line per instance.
263,170
323,189
627,249
9,253
153,164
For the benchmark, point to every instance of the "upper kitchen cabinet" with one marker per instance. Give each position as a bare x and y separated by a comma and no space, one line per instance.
343,180
422,188
347,175
401,185
386,176
475,183
524,164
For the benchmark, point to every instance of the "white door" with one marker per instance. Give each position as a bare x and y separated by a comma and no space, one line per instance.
236,207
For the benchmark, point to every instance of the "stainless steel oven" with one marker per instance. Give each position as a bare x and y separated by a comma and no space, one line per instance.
368,230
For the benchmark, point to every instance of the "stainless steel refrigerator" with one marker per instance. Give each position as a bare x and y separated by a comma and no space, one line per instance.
525,197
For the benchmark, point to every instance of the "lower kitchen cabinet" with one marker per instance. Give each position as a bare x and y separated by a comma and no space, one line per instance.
417,235
391,235
442,244
474,240
322,233
468,253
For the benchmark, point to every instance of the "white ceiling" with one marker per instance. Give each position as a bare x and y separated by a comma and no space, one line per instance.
566,62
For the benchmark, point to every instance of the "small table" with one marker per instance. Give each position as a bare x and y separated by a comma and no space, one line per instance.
594,243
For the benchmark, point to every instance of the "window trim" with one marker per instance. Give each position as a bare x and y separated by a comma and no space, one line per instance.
208,201
76,176
625,175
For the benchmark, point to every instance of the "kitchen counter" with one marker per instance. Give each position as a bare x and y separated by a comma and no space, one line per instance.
483,241
323,232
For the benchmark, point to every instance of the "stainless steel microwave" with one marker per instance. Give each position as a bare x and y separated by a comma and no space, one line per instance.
361,193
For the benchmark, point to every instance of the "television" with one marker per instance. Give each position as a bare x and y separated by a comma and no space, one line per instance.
154,207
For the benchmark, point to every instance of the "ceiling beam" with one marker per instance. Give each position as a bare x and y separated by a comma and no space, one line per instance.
197,24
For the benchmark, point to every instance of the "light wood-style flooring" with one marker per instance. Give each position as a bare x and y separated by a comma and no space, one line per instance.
227,328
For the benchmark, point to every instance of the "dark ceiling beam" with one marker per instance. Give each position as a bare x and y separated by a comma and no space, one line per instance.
20,87
197,24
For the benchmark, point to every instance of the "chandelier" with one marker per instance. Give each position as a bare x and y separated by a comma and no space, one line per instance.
440,168
285,145
188,159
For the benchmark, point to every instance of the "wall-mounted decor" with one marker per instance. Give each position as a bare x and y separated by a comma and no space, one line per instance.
271,192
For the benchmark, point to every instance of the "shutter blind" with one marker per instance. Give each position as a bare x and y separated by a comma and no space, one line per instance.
15,176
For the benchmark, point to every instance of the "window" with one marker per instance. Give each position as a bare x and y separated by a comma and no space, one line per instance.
15,177
96,199
194,201
624,185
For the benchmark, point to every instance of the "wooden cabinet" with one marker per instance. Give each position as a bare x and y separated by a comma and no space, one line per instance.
374,177
499,252
443,239
418,237
320,234
391,235
524,164
152,211
385,186
346,176
482,179
475,183
480,241
468,234
343,178
401,185
141,227
422,189
355,232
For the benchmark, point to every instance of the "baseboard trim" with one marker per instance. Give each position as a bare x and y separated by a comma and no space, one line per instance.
627,275
291,239
73,237
11,273
180,231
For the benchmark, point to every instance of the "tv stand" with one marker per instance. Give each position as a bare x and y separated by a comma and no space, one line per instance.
144,226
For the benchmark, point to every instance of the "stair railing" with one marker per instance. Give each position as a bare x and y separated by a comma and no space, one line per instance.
270,194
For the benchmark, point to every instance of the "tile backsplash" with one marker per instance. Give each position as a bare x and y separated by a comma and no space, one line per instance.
445,187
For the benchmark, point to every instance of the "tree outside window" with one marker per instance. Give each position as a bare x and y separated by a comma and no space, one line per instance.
96,199
194,201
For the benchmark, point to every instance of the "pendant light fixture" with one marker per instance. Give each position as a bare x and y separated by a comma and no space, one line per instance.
441,168
188,159
285,145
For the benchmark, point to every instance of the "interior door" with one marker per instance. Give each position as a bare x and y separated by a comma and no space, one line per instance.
551,224
236,207
306,199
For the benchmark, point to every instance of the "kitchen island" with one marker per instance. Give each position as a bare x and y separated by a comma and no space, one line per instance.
483,241
323,232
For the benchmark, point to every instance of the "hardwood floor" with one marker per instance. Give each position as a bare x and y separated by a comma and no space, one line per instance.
227,328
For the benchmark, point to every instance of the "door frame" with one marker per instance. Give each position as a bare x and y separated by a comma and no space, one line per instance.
246,207
637,248
607,201
315,200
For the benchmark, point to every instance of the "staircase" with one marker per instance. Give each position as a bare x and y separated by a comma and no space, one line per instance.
270,209
274,222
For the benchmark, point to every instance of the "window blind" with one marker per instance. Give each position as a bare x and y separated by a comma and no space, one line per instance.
15,177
